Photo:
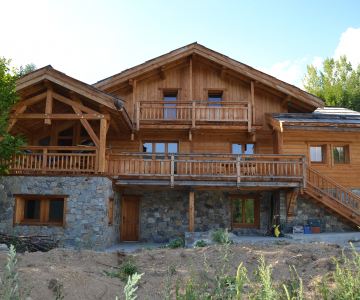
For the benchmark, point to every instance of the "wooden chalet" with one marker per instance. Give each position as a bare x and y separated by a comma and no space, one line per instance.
189,141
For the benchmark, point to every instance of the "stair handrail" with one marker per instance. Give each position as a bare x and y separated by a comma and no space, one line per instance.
342,188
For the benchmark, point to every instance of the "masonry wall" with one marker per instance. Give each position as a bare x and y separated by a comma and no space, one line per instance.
86,209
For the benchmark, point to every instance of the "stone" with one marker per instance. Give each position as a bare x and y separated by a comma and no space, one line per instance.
4,248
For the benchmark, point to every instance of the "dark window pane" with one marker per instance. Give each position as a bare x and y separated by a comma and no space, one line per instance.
56,211
339,154
237,211
170,96
249,211
215,97
83,131
45,141
67,132
32,209
65,142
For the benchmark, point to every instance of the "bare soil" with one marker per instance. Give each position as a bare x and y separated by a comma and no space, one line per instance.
81,271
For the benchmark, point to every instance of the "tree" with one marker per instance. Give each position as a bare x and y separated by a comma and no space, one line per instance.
28,69
338,84
9,144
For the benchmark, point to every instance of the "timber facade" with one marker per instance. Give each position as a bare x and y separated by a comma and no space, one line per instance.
187,142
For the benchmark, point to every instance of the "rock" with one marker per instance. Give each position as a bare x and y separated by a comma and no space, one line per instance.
4,248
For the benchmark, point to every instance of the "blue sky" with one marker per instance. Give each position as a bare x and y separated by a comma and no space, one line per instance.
92,40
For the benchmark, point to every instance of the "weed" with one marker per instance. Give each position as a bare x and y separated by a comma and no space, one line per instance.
174,244
201,243
10,288
128,269
130,288
168,294
221,236
150,248
58,295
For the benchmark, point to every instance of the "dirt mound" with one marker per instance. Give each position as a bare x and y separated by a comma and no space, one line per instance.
79,274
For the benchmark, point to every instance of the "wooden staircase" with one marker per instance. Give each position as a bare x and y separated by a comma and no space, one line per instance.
332,197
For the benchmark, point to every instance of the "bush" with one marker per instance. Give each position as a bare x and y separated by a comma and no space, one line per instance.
174,244
221,236
201,243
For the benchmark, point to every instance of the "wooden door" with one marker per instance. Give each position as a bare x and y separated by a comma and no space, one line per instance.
130,218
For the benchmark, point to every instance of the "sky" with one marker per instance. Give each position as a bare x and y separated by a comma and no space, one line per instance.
92,40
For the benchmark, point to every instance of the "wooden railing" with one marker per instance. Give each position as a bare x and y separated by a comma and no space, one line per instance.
49,159
332,189
208,166
193,111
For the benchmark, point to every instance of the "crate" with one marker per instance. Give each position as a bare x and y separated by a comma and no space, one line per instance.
315,229
314,222
307,229
298,229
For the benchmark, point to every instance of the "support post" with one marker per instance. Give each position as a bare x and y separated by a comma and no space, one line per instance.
172,170
290,202
253,102
238,178
193,115
45,161
304,173
103,126
191,211
278,142
138,116
49,101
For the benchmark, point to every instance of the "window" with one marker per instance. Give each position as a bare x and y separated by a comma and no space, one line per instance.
245,211
46,210
341,154
243,148
160,147
111,211
316,154
170,112
215,97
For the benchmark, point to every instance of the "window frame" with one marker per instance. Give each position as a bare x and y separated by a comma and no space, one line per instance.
325,153
19,210
328,153
111,211
243,147
346,153
159,142
256,224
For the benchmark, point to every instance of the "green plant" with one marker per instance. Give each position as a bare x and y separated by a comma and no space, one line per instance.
58,295
201,243
129,269
294,288
221,236
150,248
10,288
174,244
168,294
130,288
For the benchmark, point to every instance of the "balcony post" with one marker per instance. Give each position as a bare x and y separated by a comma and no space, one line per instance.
172,171
44,161
193,115
191,211
304,172
238,178
138,115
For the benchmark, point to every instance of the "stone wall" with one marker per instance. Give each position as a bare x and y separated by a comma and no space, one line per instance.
304,210
165,214
86,209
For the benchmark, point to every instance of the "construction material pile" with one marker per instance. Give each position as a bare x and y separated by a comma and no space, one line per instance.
28,243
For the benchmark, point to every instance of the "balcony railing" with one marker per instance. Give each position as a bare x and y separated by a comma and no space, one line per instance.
44,160
193,112
189,166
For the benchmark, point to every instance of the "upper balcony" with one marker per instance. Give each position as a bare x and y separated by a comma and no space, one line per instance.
194,115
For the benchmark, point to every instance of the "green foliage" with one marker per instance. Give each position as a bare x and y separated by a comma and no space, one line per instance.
8,97
9,288
128,269
201,243
338,84
174,244
221,236
28,69
130,288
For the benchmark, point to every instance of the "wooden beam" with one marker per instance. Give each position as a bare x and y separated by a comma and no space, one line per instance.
290,201
22,128
286,101
191,211
116,128
49,101
84,123
131,84
191,78
162,73
103,125
135,114
223,73
253,103
60,116
13,121
277,125
29,102
278,145
75,104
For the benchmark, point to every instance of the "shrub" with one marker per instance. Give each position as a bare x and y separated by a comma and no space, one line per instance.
221,236
174,244
201,243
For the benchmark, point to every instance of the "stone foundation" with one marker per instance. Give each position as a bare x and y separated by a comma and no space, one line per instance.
86,209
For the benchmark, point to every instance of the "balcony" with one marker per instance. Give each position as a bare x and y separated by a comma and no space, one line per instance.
189,169
193,114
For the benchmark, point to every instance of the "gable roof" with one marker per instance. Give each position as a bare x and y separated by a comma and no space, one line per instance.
170,58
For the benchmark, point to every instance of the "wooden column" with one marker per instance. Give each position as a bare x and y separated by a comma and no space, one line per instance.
103,128
278,142
252,102
191,79
191,211
49,101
